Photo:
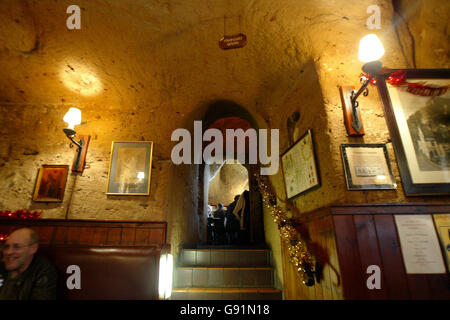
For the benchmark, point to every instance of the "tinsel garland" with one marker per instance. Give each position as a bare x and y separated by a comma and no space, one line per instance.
298,252
20,214
398,79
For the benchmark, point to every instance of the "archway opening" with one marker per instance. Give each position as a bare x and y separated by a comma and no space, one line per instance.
222,182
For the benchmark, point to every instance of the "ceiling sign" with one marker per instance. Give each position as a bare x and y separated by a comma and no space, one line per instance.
233,41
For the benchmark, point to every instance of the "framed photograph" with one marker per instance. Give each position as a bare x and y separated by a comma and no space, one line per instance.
130,168
367,167
51,183
299,165
418,122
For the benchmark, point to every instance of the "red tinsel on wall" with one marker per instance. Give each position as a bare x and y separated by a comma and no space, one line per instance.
20,214
398,79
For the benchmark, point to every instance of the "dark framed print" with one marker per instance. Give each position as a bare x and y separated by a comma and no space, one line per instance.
418,117
299,166
367,167
130,168
51,183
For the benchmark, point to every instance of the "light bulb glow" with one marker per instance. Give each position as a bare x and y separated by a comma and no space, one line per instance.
165,276
72,117
370,48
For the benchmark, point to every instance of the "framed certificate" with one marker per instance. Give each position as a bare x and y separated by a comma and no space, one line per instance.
367,167
300,167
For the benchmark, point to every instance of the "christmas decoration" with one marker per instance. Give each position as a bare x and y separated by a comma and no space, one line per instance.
20,214
398,79
298,253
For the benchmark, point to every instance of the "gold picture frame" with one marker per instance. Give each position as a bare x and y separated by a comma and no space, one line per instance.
130,168
51,183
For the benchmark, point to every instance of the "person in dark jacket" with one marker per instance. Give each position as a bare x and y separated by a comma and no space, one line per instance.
24,275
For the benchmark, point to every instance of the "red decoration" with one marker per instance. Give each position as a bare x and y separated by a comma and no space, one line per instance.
398,79
20,214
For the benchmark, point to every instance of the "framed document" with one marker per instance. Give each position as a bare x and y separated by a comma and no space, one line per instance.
51,183
367,167
299,167
419,128
130,168
442,222
420,246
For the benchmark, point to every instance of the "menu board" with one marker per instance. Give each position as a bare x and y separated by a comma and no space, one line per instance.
419,243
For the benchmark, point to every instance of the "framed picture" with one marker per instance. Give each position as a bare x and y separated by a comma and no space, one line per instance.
367,167
51,183
442,223
299,165
130,168
418,123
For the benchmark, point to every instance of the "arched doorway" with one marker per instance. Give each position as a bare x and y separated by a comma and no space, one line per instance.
223,115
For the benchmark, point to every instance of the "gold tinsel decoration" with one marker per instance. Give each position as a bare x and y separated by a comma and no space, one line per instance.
298,252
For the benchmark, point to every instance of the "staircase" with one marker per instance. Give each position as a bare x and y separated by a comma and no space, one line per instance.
225,274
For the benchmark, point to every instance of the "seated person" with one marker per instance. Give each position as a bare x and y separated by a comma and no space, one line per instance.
24,275
220,212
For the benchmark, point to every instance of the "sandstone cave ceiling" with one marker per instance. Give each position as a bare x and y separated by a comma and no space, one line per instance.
156,54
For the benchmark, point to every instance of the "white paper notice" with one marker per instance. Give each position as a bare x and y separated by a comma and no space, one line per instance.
419,244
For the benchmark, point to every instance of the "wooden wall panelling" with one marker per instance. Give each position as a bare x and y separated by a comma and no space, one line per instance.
73,235
314,229
439,285
45,233
418,286
60,236
369,252
391,256
335,273
100,234
113,237
86,235
325,282
349,260
128,236
142,236
92,232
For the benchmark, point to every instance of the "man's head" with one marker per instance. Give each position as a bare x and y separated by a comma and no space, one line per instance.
19,250
220,205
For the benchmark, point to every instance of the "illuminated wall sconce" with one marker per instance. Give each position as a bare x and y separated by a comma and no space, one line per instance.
73,118
370,50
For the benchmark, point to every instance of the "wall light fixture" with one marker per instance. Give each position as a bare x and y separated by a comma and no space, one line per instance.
73,118
370,50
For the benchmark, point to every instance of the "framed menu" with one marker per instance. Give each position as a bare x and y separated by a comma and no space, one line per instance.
420,245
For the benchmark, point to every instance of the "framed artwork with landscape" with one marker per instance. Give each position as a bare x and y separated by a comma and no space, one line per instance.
417,112
51,183
130,168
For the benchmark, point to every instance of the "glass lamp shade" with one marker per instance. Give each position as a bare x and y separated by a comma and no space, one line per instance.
72,117
370,48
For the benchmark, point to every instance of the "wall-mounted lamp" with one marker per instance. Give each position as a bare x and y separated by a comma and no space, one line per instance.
370,50
73,118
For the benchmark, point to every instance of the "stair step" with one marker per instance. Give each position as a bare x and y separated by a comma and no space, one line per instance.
226,294
223,277
226,257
